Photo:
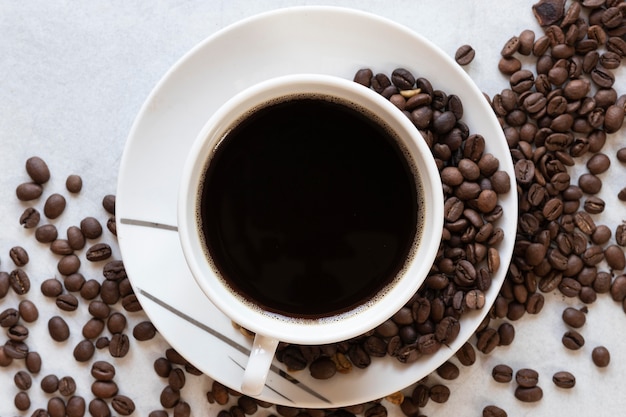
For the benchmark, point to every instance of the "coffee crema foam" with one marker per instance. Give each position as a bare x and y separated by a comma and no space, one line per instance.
417,236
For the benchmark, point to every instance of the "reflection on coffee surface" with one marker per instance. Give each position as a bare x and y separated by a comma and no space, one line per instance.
309,208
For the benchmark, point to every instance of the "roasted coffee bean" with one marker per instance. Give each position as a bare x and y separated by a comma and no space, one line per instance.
116,323
67,386
564,379
90,289
464,55
493,411
614,256
28,191
51,287
176,379
110,292
601,356
502,373
104,389
322,368
526,377
102,371
102,342
613,118
91,228
61,247
58,329
99,408
401,78
33,362
18,255
69,264
618,288
163,413
74,183
119,345
108,203
19,281
574,318
439,393
598,164
84,350
448,371
532,394
114,270
56,407
144,330
488,340
573,340
590,183
98,252
112,226
123,405
15,349
131,303
9,317
75,406
99,309
17,332
364,77
67,302
22,401
594,205
621,195
23,380
54,206
170,397
30,218
74,282
75,238
38,170
50,384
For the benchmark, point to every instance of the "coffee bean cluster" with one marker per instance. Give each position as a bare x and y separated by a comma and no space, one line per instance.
108,300
468,255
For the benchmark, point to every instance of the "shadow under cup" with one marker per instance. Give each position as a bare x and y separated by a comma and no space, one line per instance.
310,209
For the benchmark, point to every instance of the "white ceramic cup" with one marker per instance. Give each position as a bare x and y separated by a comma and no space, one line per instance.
270,328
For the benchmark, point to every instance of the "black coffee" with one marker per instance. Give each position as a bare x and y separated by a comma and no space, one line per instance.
309,208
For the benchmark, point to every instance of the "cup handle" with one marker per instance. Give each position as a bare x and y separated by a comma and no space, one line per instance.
259,362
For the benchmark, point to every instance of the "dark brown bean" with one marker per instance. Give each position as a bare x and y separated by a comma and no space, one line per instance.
98,252
18,255
119,345
502,373
84,350
51,287
75,406
75,238
494,411
37,169
74,183
104,389
67,386
19,281
123,405
91,228
58,329
54,206
28,191
564,379
50,384
464,55
573,340
144,330
601,356
30,218
532,394
99,408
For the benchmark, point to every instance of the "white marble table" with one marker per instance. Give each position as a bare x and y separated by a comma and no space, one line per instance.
74,75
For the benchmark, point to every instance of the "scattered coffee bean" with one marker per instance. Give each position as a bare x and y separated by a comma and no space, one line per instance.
102,371
67,386
169,397
529,395
526,377
38,170
448,371
494,411
74,183
28,191
22,401
19,281
18,255
90,289
54,206
69,264
46,233
17,332
573,317
91,228
116,323
51,287
464,55
119,345
104,389
30,218
601,356
108,203
123,405
56,407
58,329
98,252
439,393
33,362
99,408
322,368
502,373
23,380
5,284
573,340
84,350
75,238
564,379
50,384
75,406
162,367
67,302
144,330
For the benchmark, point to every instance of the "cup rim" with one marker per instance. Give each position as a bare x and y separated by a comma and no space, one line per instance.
334,328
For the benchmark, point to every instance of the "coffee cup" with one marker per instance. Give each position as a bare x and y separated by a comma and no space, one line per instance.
310,211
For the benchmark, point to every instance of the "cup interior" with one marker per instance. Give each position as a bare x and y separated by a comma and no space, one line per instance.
328,329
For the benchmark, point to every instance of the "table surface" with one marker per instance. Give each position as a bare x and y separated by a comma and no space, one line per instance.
74,76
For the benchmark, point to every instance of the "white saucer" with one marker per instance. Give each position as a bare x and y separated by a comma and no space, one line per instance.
323,40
